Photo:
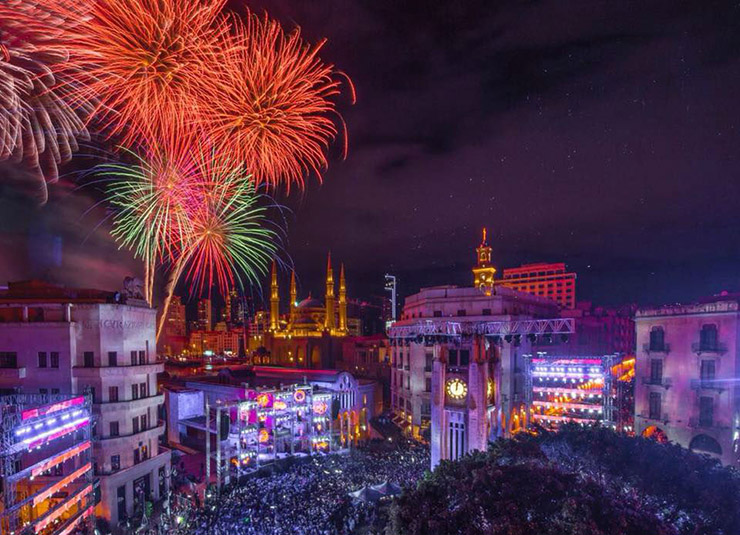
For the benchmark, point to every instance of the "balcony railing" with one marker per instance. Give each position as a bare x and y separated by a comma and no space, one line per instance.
703,423
160,424
663,417
13,373
656,348
703,347
707,384
665,382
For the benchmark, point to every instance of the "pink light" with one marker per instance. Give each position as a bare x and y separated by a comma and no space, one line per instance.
59,459
69,528
61,484
48,409
41,524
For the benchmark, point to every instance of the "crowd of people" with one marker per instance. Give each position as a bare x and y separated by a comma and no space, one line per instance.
310,497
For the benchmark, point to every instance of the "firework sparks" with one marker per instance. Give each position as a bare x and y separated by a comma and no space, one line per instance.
274,107
38,126
148,63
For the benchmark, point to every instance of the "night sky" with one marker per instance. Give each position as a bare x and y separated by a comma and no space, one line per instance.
601,134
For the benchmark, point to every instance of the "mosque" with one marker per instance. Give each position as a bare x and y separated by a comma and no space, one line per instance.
310,335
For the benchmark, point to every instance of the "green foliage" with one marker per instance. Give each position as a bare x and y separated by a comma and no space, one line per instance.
576,481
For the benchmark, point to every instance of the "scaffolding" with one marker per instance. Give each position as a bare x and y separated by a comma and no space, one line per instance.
267,424
570,389
45,463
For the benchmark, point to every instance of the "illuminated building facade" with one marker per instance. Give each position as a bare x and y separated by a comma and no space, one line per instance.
205,315
687,369
545,280
274,411
46,463
56,340
457,361
174,338
310,334
579,390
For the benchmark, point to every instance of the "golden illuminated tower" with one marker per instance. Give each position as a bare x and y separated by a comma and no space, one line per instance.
329,325
342,301
274,300
483,273
293,297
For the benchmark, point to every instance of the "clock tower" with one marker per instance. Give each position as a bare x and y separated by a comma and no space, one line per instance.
484,271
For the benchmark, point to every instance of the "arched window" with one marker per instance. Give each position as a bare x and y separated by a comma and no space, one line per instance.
705,444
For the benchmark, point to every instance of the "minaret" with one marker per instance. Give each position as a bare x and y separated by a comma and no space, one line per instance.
483,273
274,300
329,325
293,297
342,301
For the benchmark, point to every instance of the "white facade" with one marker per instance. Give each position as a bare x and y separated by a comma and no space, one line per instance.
686,376
421,369
70,345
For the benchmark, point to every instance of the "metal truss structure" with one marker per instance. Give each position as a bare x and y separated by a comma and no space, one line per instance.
454,329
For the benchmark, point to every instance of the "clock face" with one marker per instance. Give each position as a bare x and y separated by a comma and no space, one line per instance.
456,388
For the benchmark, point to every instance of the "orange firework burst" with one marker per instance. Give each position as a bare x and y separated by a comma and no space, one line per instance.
38,126
274,107
149,63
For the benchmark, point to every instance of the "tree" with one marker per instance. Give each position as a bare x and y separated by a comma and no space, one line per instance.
576,481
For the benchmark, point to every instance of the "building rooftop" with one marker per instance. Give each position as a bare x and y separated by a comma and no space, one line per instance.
723,303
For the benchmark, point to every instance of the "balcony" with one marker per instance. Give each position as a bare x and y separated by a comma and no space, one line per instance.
699,423
707,384
655,348
664,418
91,372
13,373
130,404
665,382
159,428
703,347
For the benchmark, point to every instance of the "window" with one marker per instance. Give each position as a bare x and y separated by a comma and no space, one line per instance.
426,408
408,382
115,465
428,384
654,406
135,424
112,358
437,314
89,359
142,357
464,357
656,371
54,391
43,391
42,359
486,311
112,394
707,370
452,357
114,429
54,359
143,421
462,312
8,359
708,337
137,456
706,411
133,358
143,390
428,360
134,391
657,339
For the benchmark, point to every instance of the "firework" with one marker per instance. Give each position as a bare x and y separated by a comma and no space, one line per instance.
148,63
39,128
274,107
151,199
229,241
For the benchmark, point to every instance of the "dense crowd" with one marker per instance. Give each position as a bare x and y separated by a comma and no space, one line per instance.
310,497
